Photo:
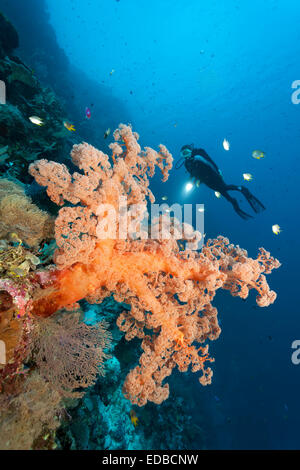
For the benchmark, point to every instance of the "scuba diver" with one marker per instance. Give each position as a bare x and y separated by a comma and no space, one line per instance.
204,170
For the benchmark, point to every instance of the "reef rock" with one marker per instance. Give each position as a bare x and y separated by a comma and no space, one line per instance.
9,39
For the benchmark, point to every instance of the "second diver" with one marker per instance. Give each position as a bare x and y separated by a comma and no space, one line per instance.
204,170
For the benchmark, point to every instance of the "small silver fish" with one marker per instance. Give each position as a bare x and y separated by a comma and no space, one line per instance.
36,120
106,133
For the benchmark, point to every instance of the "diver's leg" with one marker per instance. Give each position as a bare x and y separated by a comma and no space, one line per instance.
235,205
233,187
255,203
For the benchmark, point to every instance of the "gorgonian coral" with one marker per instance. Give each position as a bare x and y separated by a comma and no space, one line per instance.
18,214
69,353
28,415
169,290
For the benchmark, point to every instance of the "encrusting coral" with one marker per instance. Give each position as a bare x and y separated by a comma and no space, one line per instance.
170,291
20,220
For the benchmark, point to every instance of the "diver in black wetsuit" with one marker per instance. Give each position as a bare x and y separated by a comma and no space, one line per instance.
204,170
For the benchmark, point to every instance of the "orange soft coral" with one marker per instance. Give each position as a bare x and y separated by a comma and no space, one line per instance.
169,291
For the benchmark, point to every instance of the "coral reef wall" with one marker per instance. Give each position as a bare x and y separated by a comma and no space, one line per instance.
52,68
70,378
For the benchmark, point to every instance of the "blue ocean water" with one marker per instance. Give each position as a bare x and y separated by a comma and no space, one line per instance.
200,72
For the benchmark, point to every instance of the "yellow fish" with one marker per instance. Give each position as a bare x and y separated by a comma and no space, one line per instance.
69,126
134,418
181,245
276,229
258,154
165,198
217,194
247,176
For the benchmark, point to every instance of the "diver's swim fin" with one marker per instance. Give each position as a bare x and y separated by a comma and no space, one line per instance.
256,205
239,211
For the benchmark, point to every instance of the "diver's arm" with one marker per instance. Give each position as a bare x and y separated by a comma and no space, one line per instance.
207,157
